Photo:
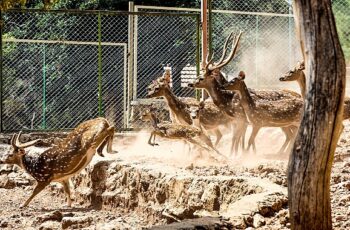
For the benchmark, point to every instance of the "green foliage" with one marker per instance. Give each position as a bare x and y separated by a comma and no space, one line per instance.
8,4
341,10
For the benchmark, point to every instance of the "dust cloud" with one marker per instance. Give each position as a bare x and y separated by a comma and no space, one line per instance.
265,62
135,148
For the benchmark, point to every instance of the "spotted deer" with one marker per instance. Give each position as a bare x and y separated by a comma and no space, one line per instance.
297,74
210,81
188,133
66,159
284,114
208,116
179,109
213,80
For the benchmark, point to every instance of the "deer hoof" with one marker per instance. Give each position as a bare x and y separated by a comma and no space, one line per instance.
22,206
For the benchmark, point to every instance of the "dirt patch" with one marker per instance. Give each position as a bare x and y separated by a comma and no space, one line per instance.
144,186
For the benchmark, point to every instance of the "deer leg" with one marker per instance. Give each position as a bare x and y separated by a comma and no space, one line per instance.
38,188
150,139
200,146
66,189
251,141
110,131
206,140
290,133
244,131
218,136
233,138
101,146
154,140
238,131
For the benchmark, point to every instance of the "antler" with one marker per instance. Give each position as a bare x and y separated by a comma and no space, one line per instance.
16,142
209,60
222,62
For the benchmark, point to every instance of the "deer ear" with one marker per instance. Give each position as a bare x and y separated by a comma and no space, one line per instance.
167,78
241,75
301,65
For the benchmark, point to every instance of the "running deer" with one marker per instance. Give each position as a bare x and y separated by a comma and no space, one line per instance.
179,110
187,133
285,114
297,74
61,162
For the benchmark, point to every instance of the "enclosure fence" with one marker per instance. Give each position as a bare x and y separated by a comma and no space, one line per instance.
60,68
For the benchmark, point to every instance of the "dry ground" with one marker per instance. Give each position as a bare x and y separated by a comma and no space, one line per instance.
255,179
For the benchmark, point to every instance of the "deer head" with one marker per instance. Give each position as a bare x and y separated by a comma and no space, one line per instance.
294,74
159,86
146,114
236,83
17,150
211,71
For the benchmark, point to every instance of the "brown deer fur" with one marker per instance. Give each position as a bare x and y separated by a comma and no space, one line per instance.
69,157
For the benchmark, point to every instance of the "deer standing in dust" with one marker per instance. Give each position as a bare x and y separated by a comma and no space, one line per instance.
208,116
61,162
297,74
188,133
179,110
285,114
225,101
213,80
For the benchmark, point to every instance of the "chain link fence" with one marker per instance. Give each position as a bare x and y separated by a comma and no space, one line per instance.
60,68
269,46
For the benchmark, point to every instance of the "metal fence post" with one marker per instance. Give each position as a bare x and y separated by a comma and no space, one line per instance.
210,28
1,78
198,56
135,35
256,48
99,65
43,125
130,61
290,33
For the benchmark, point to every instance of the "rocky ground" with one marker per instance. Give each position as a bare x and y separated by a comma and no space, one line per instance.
164,188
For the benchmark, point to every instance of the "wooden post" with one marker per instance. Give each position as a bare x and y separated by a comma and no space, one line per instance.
311,160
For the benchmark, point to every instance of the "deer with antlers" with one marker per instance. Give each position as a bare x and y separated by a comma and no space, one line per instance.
284,114
297,74
213,80
61,162
225,101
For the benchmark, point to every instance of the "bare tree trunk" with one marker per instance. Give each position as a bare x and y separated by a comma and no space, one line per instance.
311,160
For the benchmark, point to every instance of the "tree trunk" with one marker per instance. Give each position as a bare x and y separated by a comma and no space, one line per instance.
311,160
